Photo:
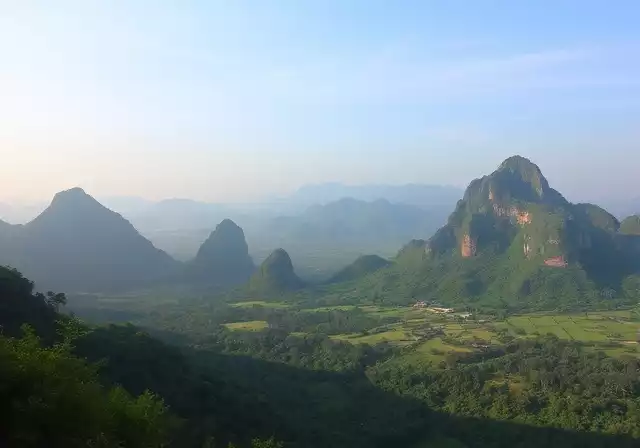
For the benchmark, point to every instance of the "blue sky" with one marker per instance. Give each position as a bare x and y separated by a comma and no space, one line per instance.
235,100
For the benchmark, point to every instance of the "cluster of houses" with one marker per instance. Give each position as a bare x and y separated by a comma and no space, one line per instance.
434,308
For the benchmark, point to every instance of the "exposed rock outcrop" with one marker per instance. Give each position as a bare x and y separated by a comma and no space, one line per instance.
469,246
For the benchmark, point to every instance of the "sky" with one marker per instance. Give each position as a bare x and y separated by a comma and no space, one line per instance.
233,101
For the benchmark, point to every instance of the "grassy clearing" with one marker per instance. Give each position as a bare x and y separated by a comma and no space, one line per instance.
260,303
325,309
390,312
397,312
253,325
396,336
515,383
473,334
432,351
437,344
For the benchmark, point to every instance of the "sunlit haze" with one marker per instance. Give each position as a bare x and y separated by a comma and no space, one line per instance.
235,101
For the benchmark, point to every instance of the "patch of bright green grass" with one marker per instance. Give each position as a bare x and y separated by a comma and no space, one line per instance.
260,303
325,309
435,350
253,325
397,336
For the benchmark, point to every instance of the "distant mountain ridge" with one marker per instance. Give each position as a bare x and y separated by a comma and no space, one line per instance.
510,238
180,226
420,195
355,221
78,245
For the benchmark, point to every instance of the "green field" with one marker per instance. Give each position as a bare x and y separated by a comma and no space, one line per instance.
260,303
613,332
397,336
324,309
429,336
253,325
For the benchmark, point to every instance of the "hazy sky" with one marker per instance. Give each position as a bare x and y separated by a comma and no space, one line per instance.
234,100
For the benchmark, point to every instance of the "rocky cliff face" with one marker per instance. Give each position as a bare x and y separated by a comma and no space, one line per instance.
515,214
513,204
468,247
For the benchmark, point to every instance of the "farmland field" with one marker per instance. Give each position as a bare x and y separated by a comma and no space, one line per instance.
254,325
613,332
428,335
260,303
397,336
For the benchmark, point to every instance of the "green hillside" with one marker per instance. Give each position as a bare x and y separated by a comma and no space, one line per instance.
631,225
514,240
276,274
364,265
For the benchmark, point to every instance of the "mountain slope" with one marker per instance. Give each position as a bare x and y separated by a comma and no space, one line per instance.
76,244
362,266
514,239
276,274
223,259
630,225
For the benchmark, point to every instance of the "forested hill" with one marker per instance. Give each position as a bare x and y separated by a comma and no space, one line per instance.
276,275
362,266
513,239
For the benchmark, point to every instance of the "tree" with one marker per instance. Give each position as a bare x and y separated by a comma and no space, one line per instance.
49,397
269,443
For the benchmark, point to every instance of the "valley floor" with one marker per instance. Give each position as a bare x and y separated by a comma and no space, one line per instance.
429,336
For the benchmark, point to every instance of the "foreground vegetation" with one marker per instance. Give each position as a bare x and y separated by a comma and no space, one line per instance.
408,376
